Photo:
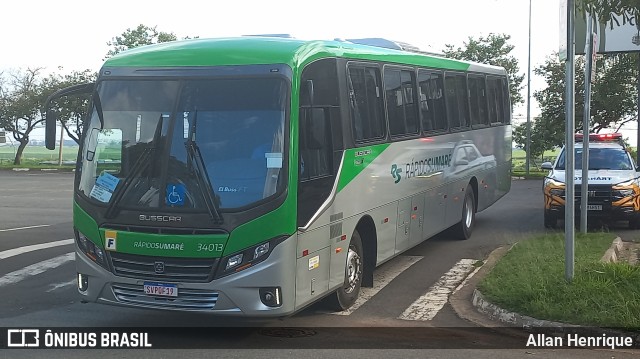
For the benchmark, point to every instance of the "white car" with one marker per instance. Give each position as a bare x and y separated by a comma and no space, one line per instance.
614,185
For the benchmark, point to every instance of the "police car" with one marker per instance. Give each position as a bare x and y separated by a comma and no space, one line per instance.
614,183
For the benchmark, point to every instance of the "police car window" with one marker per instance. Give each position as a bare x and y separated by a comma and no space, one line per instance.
601,159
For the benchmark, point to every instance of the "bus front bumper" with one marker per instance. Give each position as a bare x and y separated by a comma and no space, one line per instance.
238,294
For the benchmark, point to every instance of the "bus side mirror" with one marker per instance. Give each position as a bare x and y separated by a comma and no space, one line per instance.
50,128
51,116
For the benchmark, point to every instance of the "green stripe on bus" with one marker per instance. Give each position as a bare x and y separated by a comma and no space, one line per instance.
356,160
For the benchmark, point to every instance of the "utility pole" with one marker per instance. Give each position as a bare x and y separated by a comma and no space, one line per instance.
528,153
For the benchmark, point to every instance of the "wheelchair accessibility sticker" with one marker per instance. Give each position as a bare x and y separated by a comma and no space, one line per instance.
175,194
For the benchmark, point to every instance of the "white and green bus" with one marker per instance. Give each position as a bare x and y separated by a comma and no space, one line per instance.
256,175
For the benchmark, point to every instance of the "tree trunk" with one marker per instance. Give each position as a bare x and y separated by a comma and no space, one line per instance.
18,160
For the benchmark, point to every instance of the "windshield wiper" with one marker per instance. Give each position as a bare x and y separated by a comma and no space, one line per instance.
141,164
196,162
138,167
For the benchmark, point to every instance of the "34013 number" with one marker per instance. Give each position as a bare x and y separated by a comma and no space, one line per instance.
210,247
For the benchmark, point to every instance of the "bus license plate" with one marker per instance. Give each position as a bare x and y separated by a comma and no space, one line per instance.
594,207
161,289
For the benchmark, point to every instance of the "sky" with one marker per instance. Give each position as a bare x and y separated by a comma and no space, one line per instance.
73,34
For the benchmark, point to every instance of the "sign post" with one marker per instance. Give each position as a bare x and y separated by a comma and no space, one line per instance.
589,77
569,218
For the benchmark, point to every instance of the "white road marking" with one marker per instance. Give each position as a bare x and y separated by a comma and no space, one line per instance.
466,279
20,228
427,306
61,285
36,269
34,247
382,277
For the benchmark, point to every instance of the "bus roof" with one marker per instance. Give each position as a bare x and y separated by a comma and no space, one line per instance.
264,50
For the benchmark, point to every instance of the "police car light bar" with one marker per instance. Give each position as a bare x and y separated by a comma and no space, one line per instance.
600,137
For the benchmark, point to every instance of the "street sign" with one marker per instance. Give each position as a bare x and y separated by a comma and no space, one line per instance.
562,46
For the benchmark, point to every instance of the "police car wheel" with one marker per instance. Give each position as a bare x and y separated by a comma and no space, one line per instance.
550,220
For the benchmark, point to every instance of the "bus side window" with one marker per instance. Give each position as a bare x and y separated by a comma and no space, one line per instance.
457,99
365,100
498,101
401,102
432,107
315,144
478,100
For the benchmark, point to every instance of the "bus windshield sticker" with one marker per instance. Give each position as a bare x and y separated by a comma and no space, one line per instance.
108,181
175,194
274,159
105,185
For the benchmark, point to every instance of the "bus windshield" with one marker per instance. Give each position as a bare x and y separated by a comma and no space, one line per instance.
142,147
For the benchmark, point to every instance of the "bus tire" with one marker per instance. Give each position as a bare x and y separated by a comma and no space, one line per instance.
346,295
468,220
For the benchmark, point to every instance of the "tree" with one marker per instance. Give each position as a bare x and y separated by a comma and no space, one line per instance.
21,105
613,97
141,35
493,50
71,110
540,141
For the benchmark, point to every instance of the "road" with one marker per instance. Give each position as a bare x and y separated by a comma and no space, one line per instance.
37,286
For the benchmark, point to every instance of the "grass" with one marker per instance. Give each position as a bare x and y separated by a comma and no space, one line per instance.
530,280
532,173
34,155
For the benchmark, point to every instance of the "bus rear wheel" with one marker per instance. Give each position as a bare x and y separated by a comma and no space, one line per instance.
346,295
468,221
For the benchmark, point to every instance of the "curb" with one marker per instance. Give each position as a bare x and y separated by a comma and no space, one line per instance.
613,253
496,313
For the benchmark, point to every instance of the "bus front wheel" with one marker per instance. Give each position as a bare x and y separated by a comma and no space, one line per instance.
347,294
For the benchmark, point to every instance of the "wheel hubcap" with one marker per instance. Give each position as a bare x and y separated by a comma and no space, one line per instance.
468,217
354,270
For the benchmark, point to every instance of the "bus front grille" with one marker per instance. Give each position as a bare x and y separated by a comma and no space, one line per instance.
194,270
187,299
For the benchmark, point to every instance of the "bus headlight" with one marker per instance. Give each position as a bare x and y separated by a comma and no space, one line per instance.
261,250
91,250
247,258
234,261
